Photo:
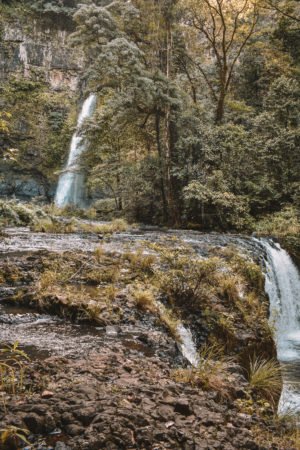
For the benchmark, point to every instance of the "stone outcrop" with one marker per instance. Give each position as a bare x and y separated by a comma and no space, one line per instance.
40,86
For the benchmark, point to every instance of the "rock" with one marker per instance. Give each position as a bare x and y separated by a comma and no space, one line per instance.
62,446
86,415
34,423
183,407
74,430
47,394
169,424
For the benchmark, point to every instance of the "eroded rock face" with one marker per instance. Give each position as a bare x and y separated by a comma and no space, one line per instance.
32,51
25,187
40,81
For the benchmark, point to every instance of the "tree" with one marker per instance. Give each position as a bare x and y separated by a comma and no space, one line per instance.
226,28
287,8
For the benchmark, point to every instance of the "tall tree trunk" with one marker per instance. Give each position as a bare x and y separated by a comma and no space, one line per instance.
168,141
221,100
161,166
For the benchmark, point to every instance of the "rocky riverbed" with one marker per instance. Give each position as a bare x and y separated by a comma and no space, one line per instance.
105,368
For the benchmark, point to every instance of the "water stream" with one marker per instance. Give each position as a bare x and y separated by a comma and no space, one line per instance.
283,288
71,184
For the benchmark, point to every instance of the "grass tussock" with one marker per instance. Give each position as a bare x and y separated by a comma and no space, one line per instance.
12,369
144,297
264,378
116,226
212,373
48,225
140,261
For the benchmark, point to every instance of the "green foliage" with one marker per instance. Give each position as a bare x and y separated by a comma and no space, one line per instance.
61,7
12,368
13,436
281,224
182,134
13,212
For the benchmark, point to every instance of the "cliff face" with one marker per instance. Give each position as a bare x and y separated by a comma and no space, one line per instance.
39,85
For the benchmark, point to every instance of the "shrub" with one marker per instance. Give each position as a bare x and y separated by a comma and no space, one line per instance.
283,223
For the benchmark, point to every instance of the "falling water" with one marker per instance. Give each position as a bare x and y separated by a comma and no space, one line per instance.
71,185
283,288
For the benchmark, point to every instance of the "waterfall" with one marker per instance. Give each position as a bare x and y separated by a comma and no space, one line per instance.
283,288
187,345
71,184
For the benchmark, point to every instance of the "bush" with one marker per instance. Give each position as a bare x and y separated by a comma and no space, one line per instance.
281,224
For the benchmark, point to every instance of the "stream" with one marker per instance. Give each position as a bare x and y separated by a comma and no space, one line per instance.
42,335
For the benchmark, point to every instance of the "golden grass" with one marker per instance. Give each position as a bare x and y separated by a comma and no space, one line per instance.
116,226
212,372
144,297
140,261
264,378
53,226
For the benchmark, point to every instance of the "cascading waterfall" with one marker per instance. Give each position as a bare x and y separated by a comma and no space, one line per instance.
283,288
71,184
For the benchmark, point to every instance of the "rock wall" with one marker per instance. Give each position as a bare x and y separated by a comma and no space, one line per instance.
40,89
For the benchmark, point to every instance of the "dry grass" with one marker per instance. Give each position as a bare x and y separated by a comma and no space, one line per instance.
99,254
140,261
144,297
168,318
104,275
116,226
264,378
285,436
53,226
212,372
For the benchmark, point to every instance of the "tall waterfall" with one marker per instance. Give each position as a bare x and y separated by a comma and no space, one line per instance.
283,288
71,184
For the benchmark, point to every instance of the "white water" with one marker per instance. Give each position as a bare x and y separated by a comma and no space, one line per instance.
71,184
187,345
283,288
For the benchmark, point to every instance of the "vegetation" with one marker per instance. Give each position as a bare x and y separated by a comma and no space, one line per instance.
265,378
12,369
197,122
12,437
198,114
212,372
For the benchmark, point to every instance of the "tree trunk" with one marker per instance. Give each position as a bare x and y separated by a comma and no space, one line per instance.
161,166
220,108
